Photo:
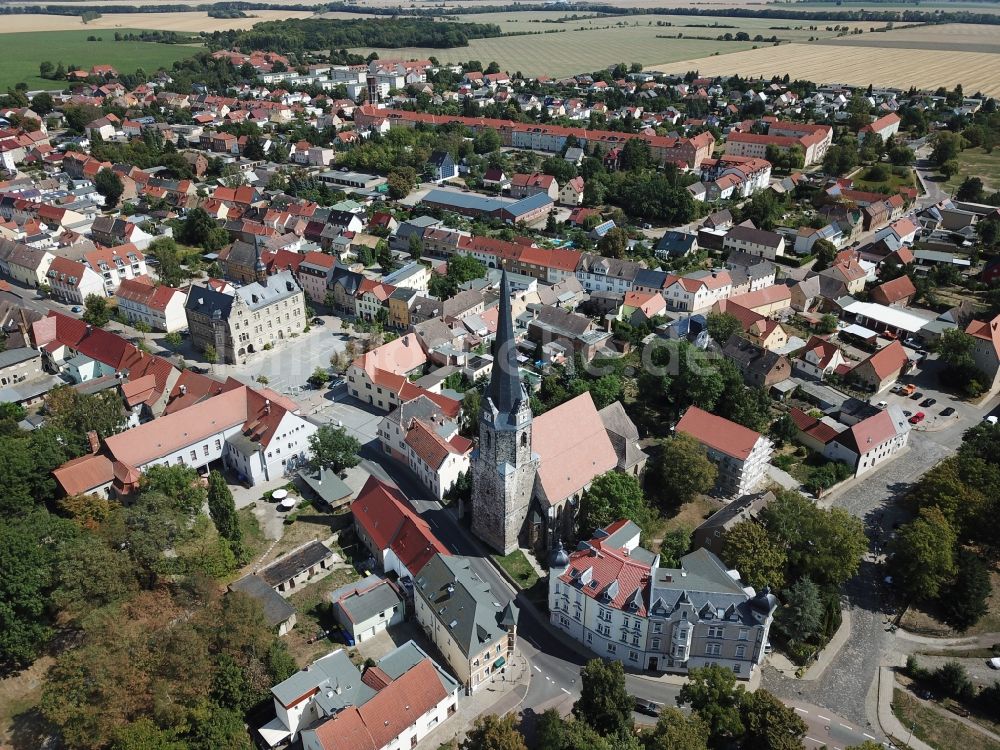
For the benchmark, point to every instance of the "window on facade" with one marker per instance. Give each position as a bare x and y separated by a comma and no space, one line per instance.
194,455
744,633
657,627
656,643
204,449
741,652
713,649
633,656
612,648
737,668
590,638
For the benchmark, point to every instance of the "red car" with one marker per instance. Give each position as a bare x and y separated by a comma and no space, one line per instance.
917,418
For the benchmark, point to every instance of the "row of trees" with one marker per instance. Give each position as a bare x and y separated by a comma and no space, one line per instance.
722,715
940,558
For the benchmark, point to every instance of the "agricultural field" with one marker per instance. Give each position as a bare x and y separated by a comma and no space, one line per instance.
572,52
23,52
855,65
954,37
194,21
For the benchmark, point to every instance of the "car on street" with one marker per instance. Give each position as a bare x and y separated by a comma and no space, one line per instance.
76,309
907,413
200,370
916,396
990,419
907,389
993,663
947,411
646,707
318,322
928,402
917,418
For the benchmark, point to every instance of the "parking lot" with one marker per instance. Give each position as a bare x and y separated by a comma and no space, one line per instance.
926,381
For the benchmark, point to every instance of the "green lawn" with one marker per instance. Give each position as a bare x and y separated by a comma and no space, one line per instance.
893,183
974,162
518,567
24,51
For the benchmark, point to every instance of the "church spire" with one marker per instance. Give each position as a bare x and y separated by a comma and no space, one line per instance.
505,384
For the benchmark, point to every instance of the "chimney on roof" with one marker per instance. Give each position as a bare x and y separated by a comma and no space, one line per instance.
267,406
183,390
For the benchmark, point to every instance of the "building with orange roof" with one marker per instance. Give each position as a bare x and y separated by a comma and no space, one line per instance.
159,306
819,358
334,705
72,281
881,369
612,596
741,454
986,353
871,442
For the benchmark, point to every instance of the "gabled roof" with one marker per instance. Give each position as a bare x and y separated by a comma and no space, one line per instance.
719,433
986,330
887,360
900,288
868,434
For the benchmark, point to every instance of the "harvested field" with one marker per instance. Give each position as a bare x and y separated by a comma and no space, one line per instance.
23,52
953,37
571,52
855,65
194,21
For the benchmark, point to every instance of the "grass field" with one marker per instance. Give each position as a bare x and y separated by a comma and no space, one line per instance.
894,181
23,52
192,22
518,567
855,65
936,730
974,162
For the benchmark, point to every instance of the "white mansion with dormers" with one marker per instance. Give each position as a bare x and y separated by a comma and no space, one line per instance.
612,596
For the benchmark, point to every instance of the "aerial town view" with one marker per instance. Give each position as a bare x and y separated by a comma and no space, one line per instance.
488,375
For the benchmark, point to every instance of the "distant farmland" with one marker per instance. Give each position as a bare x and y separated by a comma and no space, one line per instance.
191,21
23,52
902,68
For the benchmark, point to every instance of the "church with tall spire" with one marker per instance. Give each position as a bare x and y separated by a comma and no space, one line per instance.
504,466
529,473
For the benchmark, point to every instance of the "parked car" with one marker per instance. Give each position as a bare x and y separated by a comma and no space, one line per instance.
990,419
76,309
993,663
908,389
917,418
947,411
882,405
916,396
646,707
928,402
318,322
200,370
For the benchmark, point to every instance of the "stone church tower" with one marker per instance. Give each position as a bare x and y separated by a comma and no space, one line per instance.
504,467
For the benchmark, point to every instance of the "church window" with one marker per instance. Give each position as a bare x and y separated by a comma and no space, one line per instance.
524,439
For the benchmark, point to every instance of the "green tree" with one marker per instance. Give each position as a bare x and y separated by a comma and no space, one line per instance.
675,731
180,483
400,182
683,470
614,243
971,189
95,310
174,340
604,703
963,600
769,723
169,270
723,325
553,732
222,509
827,323
750,550
90,575
715,697
801,615
493,732
947,147
319,378
109,185
923,556
611,496
826,545
333,448
486,141
75,414
29,549
210,354
199,229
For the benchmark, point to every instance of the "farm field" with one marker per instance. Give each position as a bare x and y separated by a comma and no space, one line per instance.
855,65
571,52
530,21
956,37
193,21
23,52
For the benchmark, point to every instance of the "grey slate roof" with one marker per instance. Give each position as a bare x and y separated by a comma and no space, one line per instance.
623,434
366,604
334,671
276,609
208,302
11,357
275,288
461,601
294,563
505,390
742,508
702,581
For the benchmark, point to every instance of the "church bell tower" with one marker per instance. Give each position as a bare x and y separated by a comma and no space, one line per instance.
504,466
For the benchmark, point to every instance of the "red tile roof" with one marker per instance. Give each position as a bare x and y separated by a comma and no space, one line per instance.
887,361
719,433
987,331
893,291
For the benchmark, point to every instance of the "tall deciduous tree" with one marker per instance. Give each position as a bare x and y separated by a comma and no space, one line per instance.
675,731
604,703
923,555
770,724
109,184
222,509
612,496
492,732
684,470
723,325
760,561
333,448
713,693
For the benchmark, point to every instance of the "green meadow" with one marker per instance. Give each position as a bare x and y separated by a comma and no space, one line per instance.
21,54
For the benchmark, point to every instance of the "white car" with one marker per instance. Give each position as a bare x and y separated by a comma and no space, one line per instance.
990,419
993,663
